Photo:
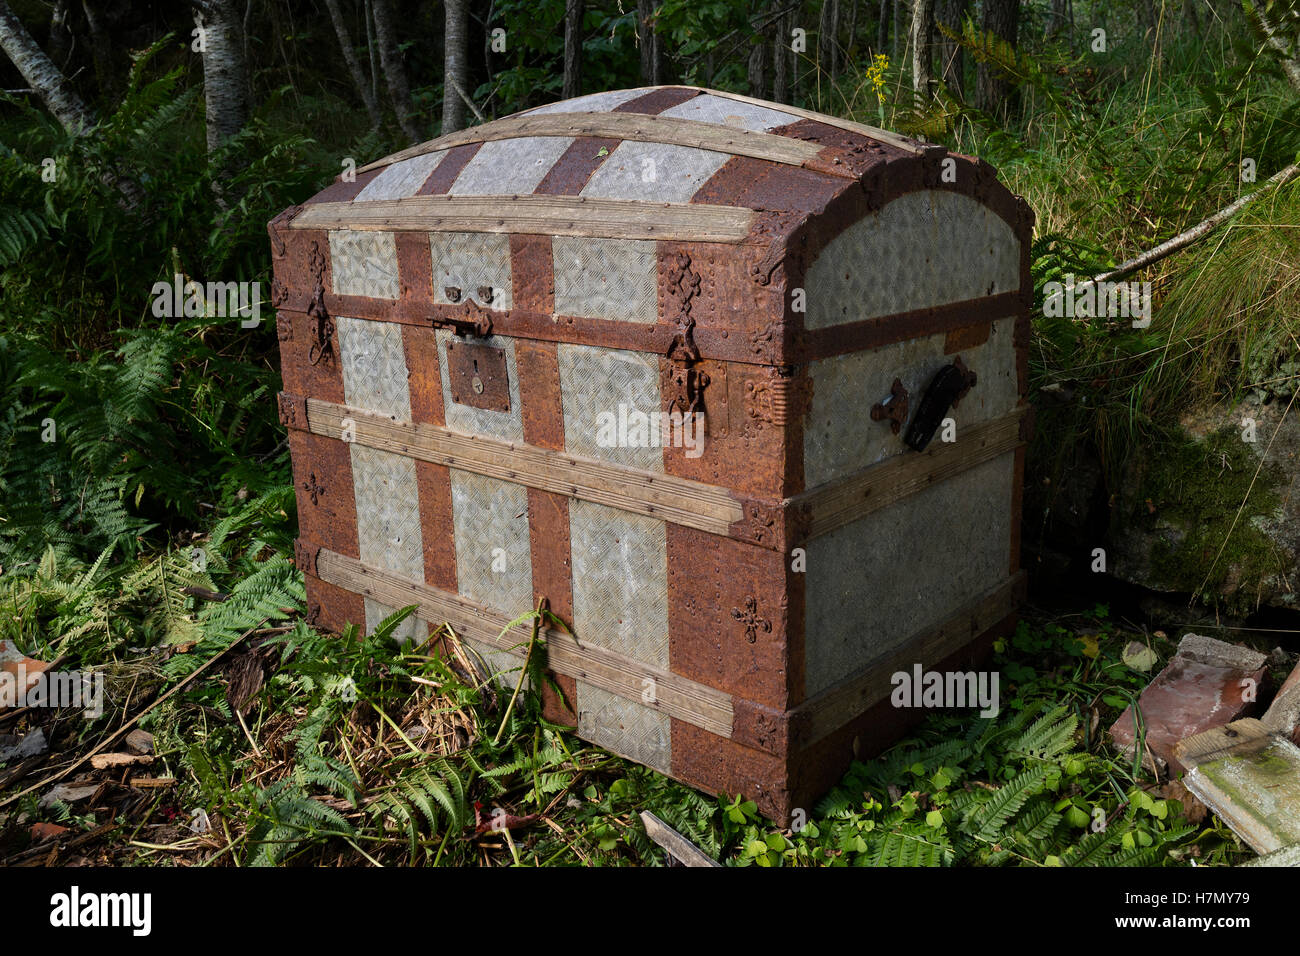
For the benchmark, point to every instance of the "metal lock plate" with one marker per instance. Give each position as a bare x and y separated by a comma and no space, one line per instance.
478,376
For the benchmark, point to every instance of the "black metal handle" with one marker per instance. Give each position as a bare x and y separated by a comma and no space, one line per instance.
949,385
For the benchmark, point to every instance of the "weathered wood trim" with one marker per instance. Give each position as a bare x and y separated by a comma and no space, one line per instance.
675,696
637,127
541,215
679,500
842,502
1226,770
681,849
834,707
881,135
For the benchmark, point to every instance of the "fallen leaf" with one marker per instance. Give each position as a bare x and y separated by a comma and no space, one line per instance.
47,831
1089,645
1139,657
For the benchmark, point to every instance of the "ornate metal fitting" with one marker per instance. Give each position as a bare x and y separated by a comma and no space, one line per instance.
894,408
967,377
322,328
313,488
749,617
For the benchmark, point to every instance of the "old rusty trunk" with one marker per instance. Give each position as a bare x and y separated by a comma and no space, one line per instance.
737,388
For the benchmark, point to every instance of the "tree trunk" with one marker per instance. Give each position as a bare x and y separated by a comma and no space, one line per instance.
849,48
390,58
652,55
896,50
60,33
101,48
781,60
756,72
225,72
952,59
882,33
573,10
993,93
42,75
922,28
826,30
456,66
353,64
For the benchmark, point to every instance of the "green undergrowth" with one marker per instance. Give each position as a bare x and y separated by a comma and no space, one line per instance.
363,751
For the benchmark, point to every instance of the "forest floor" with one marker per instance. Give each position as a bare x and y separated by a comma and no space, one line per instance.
295,747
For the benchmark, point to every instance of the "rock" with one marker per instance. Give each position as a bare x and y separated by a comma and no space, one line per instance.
1179,524
140,741
70,793
1207,684
31,745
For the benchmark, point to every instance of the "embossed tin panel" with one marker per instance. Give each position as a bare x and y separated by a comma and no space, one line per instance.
840,436
609,397
923,249
637,732
364,263
471,266
606,278
620,581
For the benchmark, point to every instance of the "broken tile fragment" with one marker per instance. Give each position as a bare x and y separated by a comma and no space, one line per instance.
1208,683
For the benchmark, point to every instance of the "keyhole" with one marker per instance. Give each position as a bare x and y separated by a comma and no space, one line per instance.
476,383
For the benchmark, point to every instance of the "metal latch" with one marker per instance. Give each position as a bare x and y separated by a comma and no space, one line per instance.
892,408
472,320
948,387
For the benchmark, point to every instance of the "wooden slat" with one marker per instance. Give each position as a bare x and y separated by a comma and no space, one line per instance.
842,502
679,500
1250,777
883,135
543,215
681,849
836,706
637,127
675,696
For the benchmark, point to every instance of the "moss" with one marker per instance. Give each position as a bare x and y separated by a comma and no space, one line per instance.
1189,498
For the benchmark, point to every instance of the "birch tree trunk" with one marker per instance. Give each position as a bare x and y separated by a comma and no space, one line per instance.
455,66
573,10
922,28
225,71
353,64
390,58
42,75
756,72
1285,43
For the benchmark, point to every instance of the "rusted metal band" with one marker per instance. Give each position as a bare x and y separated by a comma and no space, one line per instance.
652,687
836,706
541,215
634,127
843,502
678,500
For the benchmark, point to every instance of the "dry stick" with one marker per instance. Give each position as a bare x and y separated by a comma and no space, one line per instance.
468,102
1199,231
133,721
